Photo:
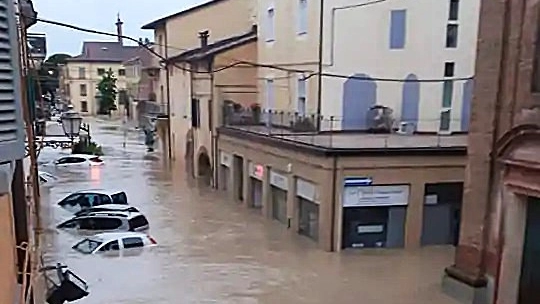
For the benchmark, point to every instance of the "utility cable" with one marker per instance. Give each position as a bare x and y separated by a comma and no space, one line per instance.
244,62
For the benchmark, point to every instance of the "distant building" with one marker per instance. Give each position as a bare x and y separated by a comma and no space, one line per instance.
82,73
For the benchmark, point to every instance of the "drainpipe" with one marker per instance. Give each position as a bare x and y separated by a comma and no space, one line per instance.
211,106
167,84
333,205
320,65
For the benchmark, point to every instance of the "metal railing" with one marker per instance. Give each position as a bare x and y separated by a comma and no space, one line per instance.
336,132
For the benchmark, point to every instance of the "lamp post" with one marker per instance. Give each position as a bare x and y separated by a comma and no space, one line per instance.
71,124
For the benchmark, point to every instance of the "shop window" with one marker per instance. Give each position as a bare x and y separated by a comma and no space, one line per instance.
309,219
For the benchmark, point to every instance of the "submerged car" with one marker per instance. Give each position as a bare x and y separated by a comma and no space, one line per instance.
106,208
85,199
104,242
46,179
80,160
107,221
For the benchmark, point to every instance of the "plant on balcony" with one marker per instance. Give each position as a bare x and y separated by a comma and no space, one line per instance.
107,91
255,109
303,124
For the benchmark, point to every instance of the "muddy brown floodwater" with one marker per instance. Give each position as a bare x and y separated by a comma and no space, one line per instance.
214,251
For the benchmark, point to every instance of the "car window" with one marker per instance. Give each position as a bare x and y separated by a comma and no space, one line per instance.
93,199
42,179
96,159
87,246
104,223
63,160
137,222
112,245
76,160
120,198
132,242
105,199
70,200
69,224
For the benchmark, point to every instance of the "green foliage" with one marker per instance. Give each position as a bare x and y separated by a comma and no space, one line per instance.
107,91
57,59
83,147
48,73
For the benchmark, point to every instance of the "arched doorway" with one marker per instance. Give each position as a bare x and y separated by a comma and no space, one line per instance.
204,166
410,100
359,95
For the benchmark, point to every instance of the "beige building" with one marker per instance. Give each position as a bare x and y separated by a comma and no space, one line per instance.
178,33
82,73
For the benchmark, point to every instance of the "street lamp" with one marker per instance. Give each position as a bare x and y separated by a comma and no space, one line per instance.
71,123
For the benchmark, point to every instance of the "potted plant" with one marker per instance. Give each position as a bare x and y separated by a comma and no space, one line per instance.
255,112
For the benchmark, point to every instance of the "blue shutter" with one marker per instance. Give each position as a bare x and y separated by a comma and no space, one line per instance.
11,123
398,29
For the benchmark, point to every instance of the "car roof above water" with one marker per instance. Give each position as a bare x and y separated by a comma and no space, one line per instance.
85,156
113,213
109,236
100,191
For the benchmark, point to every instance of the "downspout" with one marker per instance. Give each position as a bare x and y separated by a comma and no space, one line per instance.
320,65
333,205
212,105
194,155
167,84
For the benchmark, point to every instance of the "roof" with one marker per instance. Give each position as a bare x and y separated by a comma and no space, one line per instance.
109,236
102,191
142,55
160,22
217,47
104,51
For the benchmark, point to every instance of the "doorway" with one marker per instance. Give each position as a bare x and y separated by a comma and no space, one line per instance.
238,169
529,282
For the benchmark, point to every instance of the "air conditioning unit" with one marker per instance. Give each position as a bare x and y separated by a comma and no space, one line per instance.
406,128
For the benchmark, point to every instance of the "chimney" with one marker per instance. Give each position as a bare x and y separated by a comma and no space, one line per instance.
147,41
203,36
119,24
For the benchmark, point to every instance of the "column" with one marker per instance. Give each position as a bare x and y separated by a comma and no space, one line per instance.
266,195
415,213
292,215
326,214
247,183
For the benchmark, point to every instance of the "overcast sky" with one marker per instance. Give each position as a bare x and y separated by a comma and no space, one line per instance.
99,15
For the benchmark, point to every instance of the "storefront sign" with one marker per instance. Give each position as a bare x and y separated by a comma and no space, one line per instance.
279,180
358,181
306,190
225,159
368,196
256,171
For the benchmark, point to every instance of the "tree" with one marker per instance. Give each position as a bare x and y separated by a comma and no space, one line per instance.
48,73
107,93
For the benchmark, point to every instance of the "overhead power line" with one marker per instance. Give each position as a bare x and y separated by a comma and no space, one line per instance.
243,62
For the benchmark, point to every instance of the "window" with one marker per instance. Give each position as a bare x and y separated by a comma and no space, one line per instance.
83,90
69,224
100,72
449,69
269,102
454,10
301,87
448,92
445,120
113,245
451,35
119,198
70,200
195,113
87,246
138,222
398,20
105,199
82,73
302,17
132,242
84,106
121,72
100,223
160,44
270,25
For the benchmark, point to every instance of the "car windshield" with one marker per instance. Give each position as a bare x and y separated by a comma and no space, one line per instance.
87,246
96,159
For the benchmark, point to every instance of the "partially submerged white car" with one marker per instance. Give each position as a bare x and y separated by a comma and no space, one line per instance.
85,199
107,221
107,208
46,179
77,160
106,242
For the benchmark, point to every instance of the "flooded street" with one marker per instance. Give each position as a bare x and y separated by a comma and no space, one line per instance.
214,251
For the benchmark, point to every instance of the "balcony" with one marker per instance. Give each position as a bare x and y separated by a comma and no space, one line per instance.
294,129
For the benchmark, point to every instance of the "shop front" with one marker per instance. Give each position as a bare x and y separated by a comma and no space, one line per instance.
256,175
308,208
374,215
224,170
279,186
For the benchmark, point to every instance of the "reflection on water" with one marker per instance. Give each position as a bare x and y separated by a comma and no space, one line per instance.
213,251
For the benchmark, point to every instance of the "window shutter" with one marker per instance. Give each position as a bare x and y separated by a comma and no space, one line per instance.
11,124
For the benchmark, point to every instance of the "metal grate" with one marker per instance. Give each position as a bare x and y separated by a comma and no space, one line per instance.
9,128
